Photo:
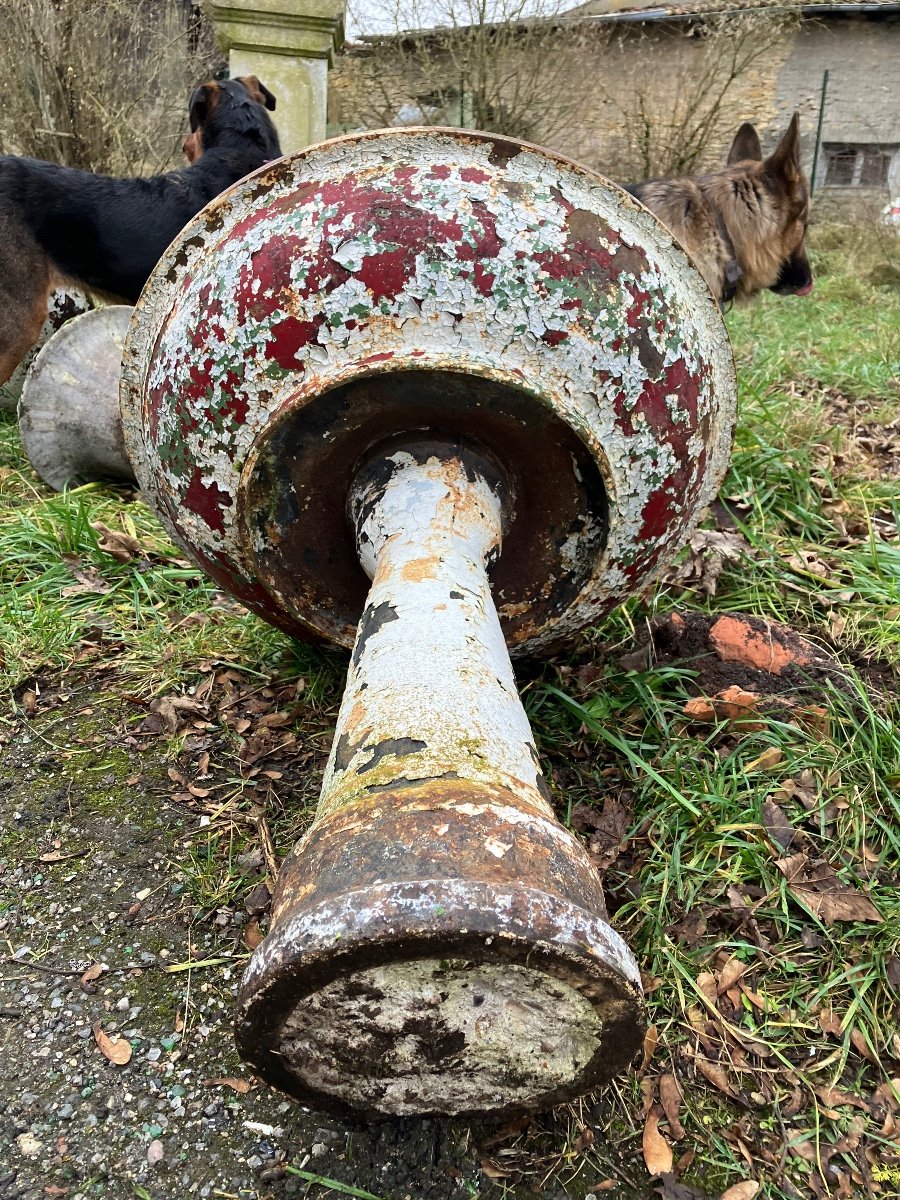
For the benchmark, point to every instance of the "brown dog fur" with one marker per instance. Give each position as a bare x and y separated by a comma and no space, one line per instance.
763,205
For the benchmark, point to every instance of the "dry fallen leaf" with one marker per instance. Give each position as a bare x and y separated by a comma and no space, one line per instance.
651,1041
716,1075
252,934
494,1170
709,551
238,1085
769,758
115,543
657,1151
584,1141
669,1188
731,972
706,982
94,971
816,885
56,856
860,1042
741,1191
829,1023
836,1099
118,1051
88,579
274,720
777,825
670,1096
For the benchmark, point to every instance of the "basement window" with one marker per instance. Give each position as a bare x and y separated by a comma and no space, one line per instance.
849,166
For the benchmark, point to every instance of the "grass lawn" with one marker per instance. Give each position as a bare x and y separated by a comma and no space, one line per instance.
774,1053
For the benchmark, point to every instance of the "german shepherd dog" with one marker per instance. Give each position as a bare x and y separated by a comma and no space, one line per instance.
744,226
59,225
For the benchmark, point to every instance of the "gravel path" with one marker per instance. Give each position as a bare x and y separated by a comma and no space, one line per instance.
90,873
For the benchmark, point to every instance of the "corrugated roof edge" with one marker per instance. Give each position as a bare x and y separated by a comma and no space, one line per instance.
688,14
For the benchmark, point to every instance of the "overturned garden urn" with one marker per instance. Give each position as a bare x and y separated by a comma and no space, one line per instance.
436,397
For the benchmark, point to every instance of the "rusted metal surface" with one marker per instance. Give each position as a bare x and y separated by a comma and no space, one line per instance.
456,254
63,305
439,942
69,410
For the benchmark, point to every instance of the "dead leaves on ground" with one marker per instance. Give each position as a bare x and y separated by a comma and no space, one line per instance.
657,1152
727,1056
741,1191
115,1049
606,828
816,886
119,545
812,881
709,552
258,718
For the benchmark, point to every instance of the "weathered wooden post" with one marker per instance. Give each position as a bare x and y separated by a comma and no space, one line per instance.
289,44
436,396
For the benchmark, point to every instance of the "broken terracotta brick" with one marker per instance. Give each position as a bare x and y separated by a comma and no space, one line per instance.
736,640
731,704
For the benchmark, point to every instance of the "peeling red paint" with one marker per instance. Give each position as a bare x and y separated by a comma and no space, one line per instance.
662,507
288,337
321,268
385,274
207,500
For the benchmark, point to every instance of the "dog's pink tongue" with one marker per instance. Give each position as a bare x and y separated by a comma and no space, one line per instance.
805,290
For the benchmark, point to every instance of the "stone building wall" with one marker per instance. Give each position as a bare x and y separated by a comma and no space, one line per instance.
654,67
657,68
862,104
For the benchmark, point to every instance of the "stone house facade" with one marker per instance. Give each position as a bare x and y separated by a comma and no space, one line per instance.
639,69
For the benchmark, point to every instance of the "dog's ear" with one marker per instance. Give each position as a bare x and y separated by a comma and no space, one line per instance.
785,158
746,145
270,99
192,146
258,91
201,105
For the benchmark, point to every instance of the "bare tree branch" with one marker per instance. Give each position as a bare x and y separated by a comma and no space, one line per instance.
100,84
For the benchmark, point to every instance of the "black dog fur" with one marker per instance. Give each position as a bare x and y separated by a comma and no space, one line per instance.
107,234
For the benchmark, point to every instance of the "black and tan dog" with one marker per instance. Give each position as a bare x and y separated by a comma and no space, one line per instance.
59,225
744,226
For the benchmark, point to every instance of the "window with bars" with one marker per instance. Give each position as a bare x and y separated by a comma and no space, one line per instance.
855,166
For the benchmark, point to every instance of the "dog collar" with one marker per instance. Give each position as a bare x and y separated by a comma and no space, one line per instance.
733,272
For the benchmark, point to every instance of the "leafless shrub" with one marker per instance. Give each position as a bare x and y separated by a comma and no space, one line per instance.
676,91
635,100
498,65
101,85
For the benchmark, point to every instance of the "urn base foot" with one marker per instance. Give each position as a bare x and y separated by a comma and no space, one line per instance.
446,997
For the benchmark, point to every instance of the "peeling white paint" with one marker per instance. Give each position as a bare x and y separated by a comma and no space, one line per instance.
432,676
